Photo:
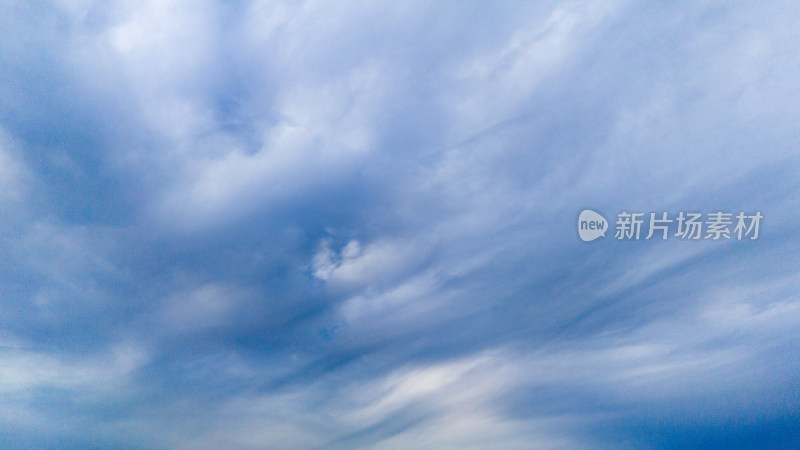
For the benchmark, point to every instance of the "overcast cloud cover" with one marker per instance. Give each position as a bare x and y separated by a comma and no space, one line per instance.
352,224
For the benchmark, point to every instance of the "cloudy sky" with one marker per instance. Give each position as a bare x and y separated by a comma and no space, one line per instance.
353,224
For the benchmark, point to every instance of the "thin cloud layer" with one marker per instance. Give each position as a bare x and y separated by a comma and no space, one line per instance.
273,224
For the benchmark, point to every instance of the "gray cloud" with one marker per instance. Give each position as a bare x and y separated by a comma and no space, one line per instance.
272,224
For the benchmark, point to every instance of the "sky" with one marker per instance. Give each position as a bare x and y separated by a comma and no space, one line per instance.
344,224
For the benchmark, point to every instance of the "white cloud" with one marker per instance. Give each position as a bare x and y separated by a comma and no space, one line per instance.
407,305
369,266
455,396
15,177
22,368
197,309
491,87
324,134
28,375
